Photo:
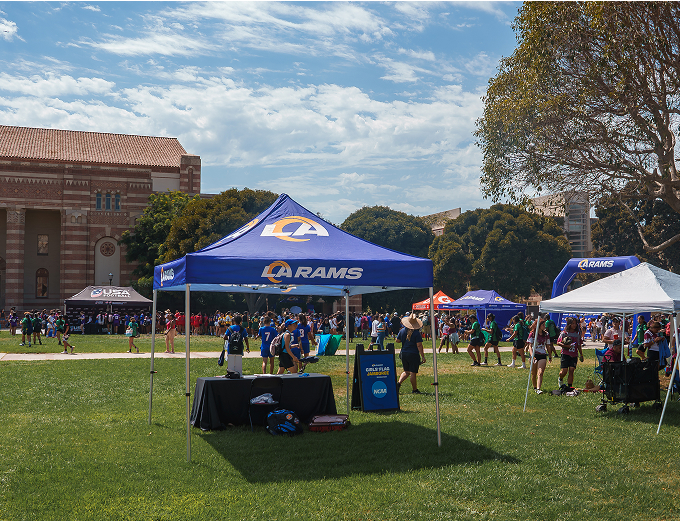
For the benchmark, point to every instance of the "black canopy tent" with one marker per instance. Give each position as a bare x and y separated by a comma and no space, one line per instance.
106,298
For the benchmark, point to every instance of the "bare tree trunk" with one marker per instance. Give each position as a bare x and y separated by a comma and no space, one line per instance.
255,301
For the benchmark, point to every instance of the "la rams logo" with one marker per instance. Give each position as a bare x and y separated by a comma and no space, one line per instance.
284,229
498,299
283,271
583,264
243,229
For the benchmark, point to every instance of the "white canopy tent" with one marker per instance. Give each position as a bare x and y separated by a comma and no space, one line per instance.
642,288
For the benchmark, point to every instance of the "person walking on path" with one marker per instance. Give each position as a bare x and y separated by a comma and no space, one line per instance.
67,333
132,332
570,342
476,341
26,329
495,336
412,353
170,332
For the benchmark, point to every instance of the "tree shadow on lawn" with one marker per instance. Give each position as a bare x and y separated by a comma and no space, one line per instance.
364,449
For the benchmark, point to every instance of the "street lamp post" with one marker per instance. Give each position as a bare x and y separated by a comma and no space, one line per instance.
110,279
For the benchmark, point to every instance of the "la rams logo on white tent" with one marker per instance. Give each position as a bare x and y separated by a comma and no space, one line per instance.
290,228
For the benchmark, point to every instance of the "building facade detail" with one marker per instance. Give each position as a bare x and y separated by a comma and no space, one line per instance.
66,198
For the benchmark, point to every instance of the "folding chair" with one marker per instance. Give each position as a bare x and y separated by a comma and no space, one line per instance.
597,372
262,385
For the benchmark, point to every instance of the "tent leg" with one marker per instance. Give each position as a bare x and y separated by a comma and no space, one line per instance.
675,369
623,336
531,363
434,368
153,345
187,331
347,345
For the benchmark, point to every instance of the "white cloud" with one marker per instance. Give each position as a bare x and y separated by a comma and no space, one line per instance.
52,86
8,29
482,65
94,8
487,7
419,55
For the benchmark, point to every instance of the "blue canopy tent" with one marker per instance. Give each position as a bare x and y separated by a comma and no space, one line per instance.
288,250
485,302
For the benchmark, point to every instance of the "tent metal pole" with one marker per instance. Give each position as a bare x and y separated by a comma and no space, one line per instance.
623,336
675,369
531,363
347,345
187,331
434,368
153,345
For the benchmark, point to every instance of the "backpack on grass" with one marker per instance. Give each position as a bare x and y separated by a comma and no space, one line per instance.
283,421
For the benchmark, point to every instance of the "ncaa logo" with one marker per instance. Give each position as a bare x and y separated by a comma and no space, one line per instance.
379,390
290,228
96,292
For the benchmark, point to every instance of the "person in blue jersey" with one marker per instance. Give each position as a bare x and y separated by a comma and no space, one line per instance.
235,337
267,333
305,334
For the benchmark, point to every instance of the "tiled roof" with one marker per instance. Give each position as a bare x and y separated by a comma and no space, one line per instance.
88,147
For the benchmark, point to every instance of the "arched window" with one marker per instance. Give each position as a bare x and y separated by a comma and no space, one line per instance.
99,201
117,207
108,201
42,283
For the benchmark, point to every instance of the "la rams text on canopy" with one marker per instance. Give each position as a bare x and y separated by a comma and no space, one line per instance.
306,226
284,270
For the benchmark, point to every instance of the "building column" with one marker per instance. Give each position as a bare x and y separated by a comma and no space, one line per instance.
14,273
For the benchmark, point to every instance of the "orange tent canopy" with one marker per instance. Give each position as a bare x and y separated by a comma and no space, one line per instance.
439,298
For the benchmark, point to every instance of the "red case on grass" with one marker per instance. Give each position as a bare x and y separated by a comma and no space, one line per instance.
329,422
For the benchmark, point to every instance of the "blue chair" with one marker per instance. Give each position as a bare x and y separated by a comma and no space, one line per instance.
597,372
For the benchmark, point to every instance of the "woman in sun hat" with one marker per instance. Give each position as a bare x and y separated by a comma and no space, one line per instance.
412,353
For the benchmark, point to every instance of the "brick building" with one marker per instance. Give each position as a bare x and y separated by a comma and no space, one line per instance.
66,197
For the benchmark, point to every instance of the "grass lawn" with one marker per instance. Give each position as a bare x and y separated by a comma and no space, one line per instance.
75,444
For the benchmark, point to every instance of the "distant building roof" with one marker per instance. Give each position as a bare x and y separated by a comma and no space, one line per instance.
88,147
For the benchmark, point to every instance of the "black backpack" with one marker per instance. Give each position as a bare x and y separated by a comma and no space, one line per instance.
276,347
283,421
235,341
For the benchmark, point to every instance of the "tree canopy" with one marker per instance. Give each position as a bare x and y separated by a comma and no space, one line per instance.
205,221
588,101
503,248
614,233
389,228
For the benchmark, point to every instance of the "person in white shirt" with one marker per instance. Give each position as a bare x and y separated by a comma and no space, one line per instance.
374,329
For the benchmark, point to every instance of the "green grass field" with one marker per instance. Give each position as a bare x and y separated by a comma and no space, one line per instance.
75,444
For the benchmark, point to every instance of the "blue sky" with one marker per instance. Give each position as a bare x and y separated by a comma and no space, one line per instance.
340,105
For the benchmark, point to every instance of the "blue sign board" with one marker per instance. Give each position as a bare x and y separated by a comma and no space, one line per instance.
375,381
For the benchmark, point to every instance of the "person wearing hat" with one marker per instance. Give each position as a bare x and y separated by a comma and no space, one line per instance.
288,361
412,354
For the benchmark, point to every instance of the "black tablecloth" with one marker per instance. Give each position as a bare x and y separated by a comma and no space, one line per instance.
219,402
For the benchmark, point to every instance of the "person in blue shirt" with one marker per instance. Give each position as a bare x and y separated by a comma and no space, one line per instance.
305,334
288,360
267,333
236,336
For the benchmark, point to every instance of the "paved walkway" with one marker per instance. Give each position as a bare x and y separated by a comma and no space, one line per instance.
27,357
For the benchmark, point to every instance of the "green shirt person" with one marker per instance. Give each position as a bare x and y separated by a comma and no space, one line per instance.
495,336
133,327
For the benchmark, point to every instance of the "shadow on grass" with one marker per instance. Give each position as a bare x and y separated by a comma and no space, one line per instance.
364,449
646,413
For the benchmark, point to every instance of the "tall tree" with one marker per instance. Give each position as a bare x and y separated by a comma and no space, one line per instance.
614,233
143,243
589,101
398,231
205,221
503,248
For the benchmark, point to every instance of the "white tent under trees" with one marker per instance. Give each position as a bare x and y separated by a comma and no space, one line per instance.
642,288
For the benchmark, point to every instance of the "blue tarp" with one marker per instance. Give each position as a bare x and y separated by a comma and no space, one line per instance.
289,250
